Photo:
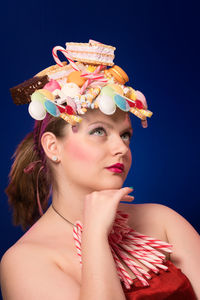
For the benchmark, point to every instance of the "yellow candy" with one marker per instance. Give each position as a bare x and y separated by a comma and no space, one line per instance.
71,119
131,93
117,88
92,93
89,98
76,118
91,68
47,94
137,112
84,104
147,113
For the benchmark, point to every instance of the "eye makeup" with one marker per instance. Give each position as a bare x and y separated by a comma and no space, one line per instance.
128,131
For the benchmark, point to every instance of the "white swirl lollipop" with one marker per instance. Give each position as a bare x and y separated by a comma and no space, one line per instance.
37,110
106,104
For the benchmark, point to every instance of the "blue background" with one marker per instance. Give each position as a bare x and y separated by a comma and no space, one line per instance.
157,45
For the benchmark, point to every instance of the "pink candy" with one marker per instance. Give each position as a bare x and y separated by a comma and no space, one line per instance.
52,85
142,98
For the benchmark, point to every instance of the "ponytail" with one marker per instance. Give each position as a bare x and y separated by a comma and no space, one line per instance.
31,176
22,188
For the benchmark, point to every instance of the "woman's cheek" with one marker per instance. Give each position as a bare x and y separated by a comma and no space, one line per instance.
77,152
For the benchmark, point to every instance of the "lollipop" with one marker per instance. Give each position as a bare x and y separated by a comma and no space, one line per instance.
36,110
52,108
106,104
121,103
39,97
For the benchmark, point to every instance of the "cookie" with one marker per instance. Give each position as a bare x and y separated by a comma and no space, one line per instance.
92,53
21,94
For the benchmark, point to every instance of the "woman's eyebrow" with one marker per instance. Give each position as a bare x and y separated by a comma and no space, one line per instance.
110,126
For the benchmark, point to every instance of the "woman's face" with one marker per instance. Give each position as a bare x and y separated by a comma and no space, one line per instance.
92,146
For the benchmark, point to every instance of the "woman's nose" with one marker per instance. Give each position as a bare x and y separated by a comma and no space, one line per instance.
118,146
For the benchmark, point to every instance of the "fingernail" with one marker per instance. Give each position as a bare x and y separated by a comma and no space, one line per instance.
130,187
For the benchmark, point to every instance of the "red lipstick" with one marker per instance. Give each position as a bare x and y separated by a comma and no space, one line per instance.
117,168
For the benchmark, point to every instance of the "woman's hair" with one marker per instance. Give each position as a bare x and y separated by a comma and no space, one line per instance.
31,170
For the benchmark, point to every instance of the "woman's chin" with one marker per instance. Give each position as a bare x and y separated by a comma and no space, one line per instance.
113,184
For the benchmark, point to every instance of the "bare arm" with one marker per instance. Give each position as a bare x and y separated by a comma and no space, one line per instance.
99,275
26,271
26,274
186,246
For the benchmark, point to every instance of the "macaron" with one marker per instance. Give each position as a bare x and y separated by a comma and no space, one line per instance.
76,78
119,74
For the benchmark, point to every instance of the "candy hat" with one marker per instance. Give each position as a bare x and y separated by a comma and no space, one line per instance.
89,81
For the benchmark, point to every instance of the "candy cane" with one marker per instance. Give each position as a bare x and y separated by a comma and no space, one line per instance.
66,54
92,78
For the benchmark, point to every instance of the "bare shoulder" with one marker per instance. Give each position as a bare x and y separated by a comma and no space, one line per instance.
160,221
27,273
146,216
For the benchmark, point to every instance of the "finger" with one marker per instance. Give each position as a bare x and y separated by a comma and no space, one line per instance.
128,198
124,191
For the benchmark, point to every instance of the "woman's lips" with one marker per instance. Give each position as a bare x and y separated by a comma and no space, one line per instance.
114,169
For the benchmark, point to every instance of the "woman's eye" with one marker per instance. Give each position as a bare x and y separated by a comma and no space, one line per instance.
100,131
126,136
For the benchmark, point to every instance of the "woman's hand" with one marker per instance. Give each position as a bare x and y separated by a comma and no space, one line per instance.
100,209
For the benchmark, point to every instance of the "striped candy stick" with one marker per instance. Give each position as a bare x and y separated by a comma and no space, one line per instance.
156,245
148,264
139,268
144,251
150,239
130,263
147,256
87,83
149,248
123,274
136,236
66,54
77,229
161,266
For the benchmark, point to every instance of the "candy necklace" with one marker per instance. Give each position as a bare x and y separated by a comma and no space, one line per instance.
126,243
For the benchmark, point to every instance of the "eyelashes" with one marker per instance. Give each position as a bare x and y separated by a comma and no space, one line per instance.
102,129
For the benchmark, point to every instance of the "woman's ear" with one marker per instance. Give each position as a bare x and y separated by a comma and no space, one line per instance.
50,145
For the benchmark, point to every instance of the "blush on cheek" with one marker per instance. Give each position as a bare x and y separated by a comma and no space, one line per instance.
74,149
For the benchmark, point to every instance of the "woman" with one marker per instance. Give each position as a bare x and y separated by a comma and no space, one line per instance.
85,164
